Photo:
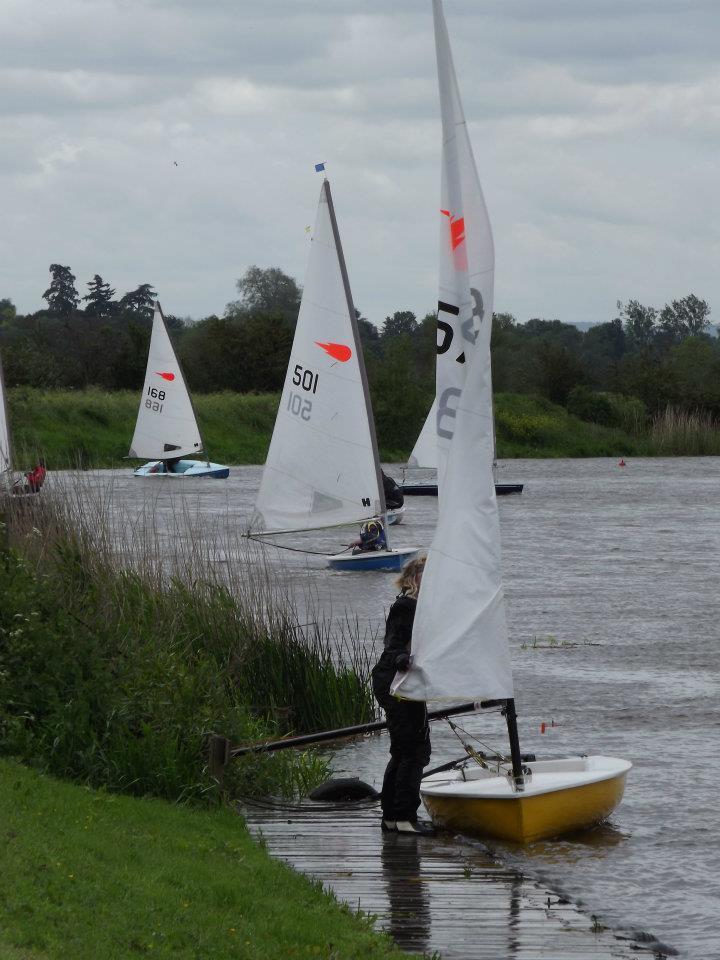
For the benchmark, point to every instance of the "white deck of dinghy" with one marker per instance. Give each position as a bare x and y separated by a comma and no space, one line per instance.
547,777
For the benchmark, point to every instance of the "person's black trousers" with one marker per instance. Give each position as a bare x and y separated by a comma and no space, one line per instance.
409,754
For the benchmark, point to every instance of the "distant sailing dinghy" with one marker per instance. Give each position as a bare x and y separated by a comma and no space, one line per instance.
424,456
322,468
460,650
166,430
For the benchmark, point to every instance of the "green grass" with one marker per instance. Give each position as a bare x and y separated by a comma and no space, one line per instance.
534,427
87,875
93,428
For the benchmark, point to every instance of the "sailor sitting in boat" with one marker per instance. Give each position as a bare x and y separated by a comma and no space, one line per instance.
165,466
393,494
372,537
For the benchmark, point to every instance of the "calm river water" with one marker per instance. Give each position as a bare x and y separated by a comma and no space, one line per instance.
622,563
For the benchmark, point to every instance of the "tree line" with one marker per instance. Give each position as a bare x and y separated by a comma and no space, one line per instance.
657,357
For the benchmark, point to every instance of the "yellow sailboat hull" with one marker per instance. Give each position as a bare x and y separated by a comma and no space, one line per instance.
555,801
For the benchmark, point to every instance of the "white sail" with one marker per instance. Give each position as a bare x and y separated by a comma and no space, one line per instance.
166,426
459,646
424,453
322,468
5,453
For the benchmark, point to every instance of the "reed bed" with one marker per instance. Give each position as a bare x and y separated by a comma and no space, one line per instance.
124,645
686,433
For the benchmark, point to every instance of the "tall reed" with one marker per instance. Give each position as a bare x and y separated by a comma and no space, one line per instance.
126,643
677,432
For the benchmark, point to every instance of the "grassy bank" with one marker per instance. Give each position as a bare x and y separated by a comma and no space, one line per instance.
118,657
87,874
92,428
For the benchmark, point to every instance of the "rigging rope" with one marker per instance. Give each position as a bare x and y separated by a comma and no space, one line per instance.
282,546
470,750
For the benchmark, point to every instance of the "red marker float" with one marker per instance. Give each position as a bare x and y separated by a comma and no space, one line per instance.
165,375
338,351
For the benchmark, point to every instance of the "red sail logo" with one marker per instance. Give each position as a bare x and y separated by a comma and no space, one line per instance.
457,229
165,375
338,351
457,240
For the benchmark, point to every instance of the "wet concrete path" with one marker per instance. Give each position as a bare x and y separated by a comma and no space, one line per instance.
441,895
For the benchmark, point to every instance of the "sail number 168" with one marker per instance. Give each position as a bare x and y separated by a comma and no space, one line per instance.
305,378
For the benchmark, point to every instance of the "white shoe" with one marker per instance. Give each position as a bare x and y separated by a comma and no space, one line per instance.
415,826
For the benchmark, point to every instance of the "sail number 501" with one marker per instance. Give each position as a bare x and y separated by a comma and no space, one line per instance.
305,378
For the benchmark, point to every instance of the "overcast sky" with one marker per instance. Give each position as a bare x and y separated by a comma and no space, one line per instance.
173,143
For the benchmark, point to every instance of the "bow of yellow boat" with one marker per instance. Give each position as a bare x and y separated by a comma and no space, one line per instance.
561,796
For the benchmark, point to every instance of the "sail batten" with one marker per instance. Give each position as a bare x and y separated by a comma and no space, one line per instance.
460,647
166,423
322,467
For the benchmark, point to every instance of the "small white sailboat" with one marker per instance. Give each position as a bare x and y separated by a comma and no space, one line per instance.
424,456
460,650
167,430
322,468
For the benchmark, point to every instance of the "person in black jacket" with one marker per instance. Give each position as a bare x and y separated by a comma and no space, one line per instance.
394,498
406,719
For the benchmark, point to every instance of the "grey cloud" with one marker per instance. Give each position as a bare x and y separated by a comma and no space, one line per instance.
595,125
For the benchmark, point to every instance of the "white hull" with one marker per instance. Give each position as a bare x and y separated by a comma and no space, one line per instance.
183,470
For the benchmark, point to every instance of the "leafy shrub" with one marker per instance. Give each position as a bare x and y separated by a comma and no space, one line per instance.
591,406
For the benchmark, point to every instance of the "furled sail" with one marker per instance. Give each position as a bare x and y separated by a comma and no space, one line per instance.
459,646
322,466
166,425
5,453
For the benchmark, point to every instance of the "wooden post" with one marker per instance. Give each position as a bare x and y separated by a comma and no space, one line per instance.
218,756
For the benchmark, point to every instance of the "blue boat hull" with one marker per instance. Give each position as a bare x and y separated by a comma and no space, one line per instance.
372,559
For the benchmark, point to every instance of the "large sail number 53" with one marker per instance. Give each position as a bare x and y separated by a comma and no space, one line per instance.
446,411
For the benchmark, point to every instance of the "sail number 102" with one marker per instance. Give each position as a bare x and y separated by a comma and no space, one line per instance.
154,399
305,378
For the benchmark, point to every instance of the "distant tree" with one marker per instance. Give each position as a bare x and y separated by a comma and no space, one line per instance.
684,318
222,354
602,348
266,291
61,295
503,322
638,322
369,335
99,297
140,301
400,401
7,312
401,323
561,371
